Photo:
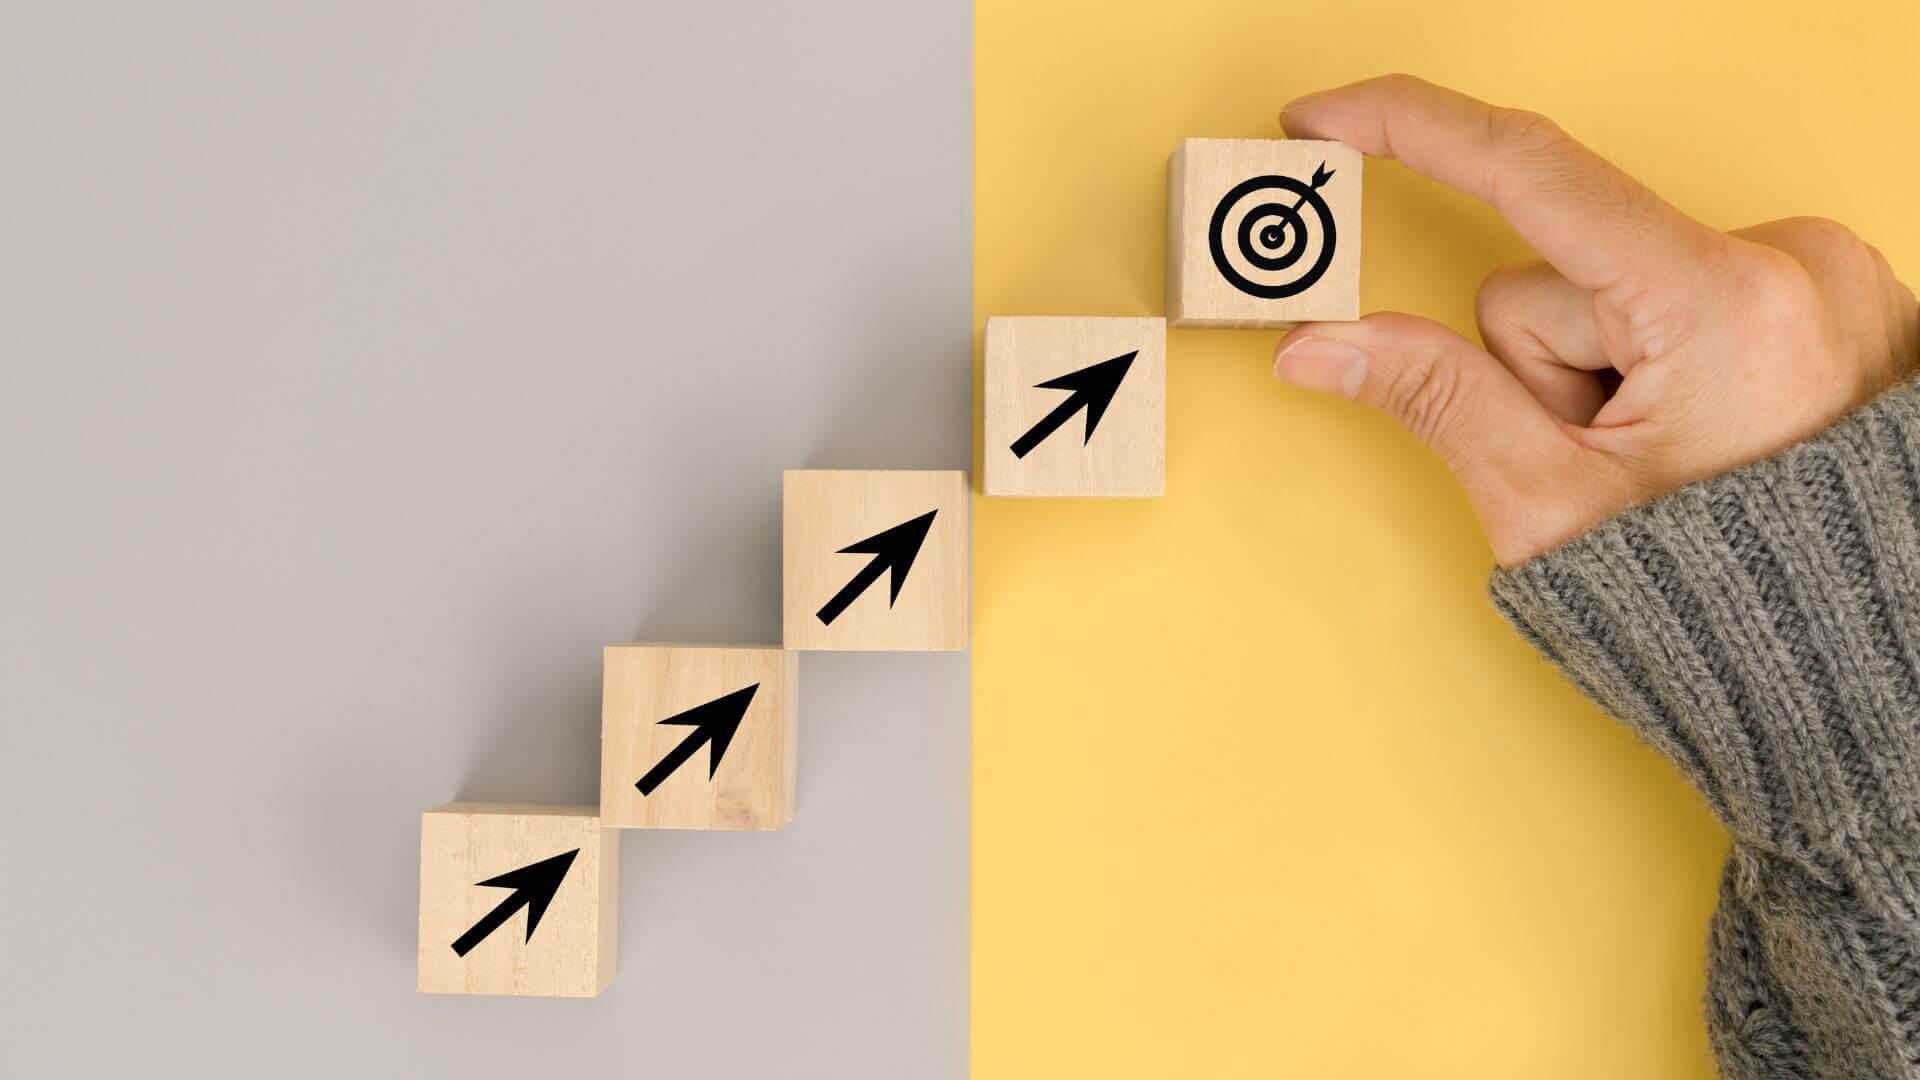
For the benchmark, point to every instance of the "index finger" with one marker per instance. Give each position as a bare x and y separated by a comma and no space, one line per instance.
1595,224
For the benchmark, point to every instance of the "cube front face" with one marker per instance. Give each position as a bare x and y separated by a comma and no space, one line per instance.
555,862
1262,233
874,559
667,709
1076,406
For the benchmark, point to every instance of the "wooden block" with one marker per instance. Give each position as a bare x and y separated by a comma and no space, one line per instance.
1262,232
875,559
697,737
1076,406
517,899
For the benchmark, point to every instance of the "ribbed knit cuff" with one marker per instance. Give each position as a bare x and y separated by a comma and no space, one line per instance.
1762,629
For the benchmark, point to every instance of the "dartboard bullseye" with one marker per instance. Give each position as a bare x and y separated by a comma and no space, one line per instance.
1260,238
1262,232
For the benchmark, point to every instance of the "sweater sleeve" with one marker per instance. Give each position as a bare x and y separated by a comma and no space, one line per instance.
1762,631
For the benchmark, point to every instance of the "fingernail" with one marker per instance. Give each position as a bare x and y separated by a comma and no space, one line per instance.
1320,363
1294,106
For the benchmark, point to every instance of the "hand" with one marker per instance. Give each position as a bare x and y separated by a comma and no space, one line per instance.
1646,351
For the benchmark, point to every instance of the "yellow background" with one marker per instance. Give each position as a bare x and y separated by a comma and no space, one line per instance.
1261,785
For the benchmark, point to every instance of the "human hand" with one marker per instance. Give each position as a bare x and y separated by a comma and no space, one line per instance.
1645,352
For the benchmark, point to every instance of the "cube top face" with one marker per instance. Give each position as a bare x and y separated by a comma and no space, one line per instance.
1262,233
874,559
517,899
1076,405
697,737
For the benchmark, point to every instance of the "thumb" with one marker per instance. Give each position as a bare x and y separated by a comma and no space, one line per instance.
1505,447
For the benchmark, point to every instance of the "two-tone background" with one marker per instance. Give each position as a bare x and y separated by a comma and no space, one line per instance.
365,368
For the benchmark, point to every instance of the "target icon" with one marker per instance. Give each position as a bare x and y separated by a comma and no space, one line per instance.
1277,250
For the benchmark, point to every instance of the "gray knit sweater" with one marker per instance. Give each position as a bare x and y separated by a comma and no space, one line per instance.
1762,630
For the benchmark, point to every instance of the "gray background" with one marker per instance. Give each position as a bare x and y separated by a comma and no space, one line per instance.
364,368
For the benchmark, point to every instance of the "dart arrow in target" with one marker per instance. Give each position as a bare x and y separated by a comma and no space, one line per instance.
533,887
715,722
894,549
1320,177
1090,388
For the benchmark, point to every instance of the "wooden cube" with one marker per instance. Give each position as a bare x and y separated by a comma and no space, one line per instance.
697,737
1262,232
1076,405
875,559
517,899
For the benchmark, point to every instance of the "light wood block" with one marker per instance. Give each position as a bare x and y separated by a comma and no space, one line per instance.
697,737
475,937
1076,405
1252,241
875,559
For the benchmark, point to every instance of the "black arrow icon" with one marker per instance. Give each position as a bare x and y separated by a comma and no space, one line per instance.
533,887
895,548
1092,388
714,722
1271,235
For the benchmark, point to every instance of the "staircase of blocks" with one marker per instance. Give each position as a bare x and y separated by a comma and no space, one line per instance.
523,899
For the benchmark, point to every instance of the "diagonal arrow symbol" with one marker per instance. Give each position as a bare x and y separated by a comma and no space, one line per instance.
894,549
1271,235
1091,388
533,887
715,722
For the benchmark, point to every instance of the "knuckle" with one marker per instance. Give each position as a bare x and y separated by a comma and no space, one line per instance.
1499,292
1522,131
1775,287
1399,83
1527,145
1868,313
1423,396
1881,266
1510,305
1835,249
1823,235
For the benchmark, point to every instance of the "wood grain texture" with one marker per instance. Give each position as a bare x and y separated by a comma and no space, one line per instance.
1127,454
753,787
1200,174
572,952
825,510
